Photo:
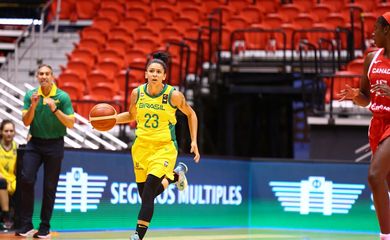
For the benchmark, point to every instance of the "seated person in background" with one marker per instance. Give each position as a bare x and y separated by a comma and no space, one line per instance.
8,153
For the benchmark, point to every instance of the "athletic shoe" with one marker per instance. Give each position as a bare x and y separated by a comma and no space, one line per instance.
7,225
181,171
43,234
134,236
25,231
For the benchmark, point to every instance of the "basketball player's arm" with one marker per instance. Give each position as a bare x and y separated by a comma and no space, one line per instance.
180,102
360,96
129,116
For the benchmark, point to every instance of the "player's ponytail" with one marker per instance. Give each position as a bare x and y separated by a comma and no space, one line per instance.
159,57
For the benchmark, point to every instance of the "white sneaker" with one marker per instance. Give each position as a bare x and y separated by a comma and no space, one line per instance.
134,236
181,170
385,236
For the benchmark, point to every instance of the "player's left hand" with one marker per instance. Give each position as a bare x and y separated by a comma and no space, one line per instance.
194,149
381,89
50,102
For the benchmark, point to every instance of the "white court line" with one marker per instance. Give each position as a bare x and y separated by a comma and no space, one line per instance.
225,237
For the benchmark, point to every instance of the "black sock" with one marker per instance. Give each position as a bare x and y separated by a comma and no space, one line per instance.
141,230
175,178
5,216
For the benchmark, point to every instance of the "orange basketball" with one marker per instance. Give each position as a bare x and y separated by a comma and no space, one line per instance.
102,117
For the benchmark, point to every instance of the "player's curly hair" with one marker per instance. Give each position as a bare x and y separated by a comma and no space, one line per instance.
161,58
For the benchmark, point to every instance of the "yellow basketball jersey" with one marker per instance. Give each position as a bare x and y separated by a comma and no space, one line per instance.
156,117
8,162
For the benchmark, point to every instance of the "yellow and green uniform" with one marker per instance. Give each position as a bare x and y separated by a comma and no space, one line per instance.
7,166
45,124
155,148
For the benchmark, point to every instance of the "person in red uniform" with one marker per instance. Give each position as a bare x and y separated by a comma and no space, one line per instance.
375,89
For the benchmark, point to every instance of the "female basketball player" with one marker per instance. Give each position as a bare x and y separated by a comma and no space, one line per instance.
153,105
8,154
375,88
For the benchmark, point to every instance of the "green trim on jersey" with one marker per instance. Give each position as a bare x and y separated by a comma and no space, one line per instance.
169,97
45,124
158,95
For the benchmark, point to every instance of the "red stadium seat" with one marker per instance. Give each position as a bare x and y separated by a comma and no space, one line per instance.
111,14
335,20
106,91
335,5
145,32
110,66
134,53
93,33
192,12
320,12
183,23
165,12
356,66
341,79
71,76
304,5
304,20
109,54
288,12
79,67
251,14
236,22
84,54
122,34
238,5
145,44
156,23
67,9
90,45
102,23
118,45
130,24
76,90
273,20
137,13
86,9
113,4
382,8
268,6
96,77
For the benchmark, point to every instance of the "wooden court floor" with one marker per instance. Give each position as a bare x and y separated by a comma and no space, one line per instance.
209,234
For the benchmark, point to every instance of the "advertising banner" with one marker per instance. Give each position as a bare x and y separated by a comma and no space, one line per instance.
97,191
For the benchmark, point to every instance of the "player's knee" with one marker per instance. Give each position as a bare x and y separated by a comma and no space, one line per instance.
3,184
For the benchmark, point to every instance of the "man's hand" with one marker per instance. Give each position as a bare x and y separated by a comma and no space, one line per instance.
34,99
50,102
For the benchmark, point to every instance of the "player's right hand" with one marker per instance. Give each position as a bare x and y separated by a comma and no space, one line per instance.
34,99
348,93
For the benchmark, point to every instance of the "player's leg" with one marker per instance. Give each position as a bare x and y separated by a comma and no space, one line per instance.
179,178
147,208
377,177
4,203
53,156
30,165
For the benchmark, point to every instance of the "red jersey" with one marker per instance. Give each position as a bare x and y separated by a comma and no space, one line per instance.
379,72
